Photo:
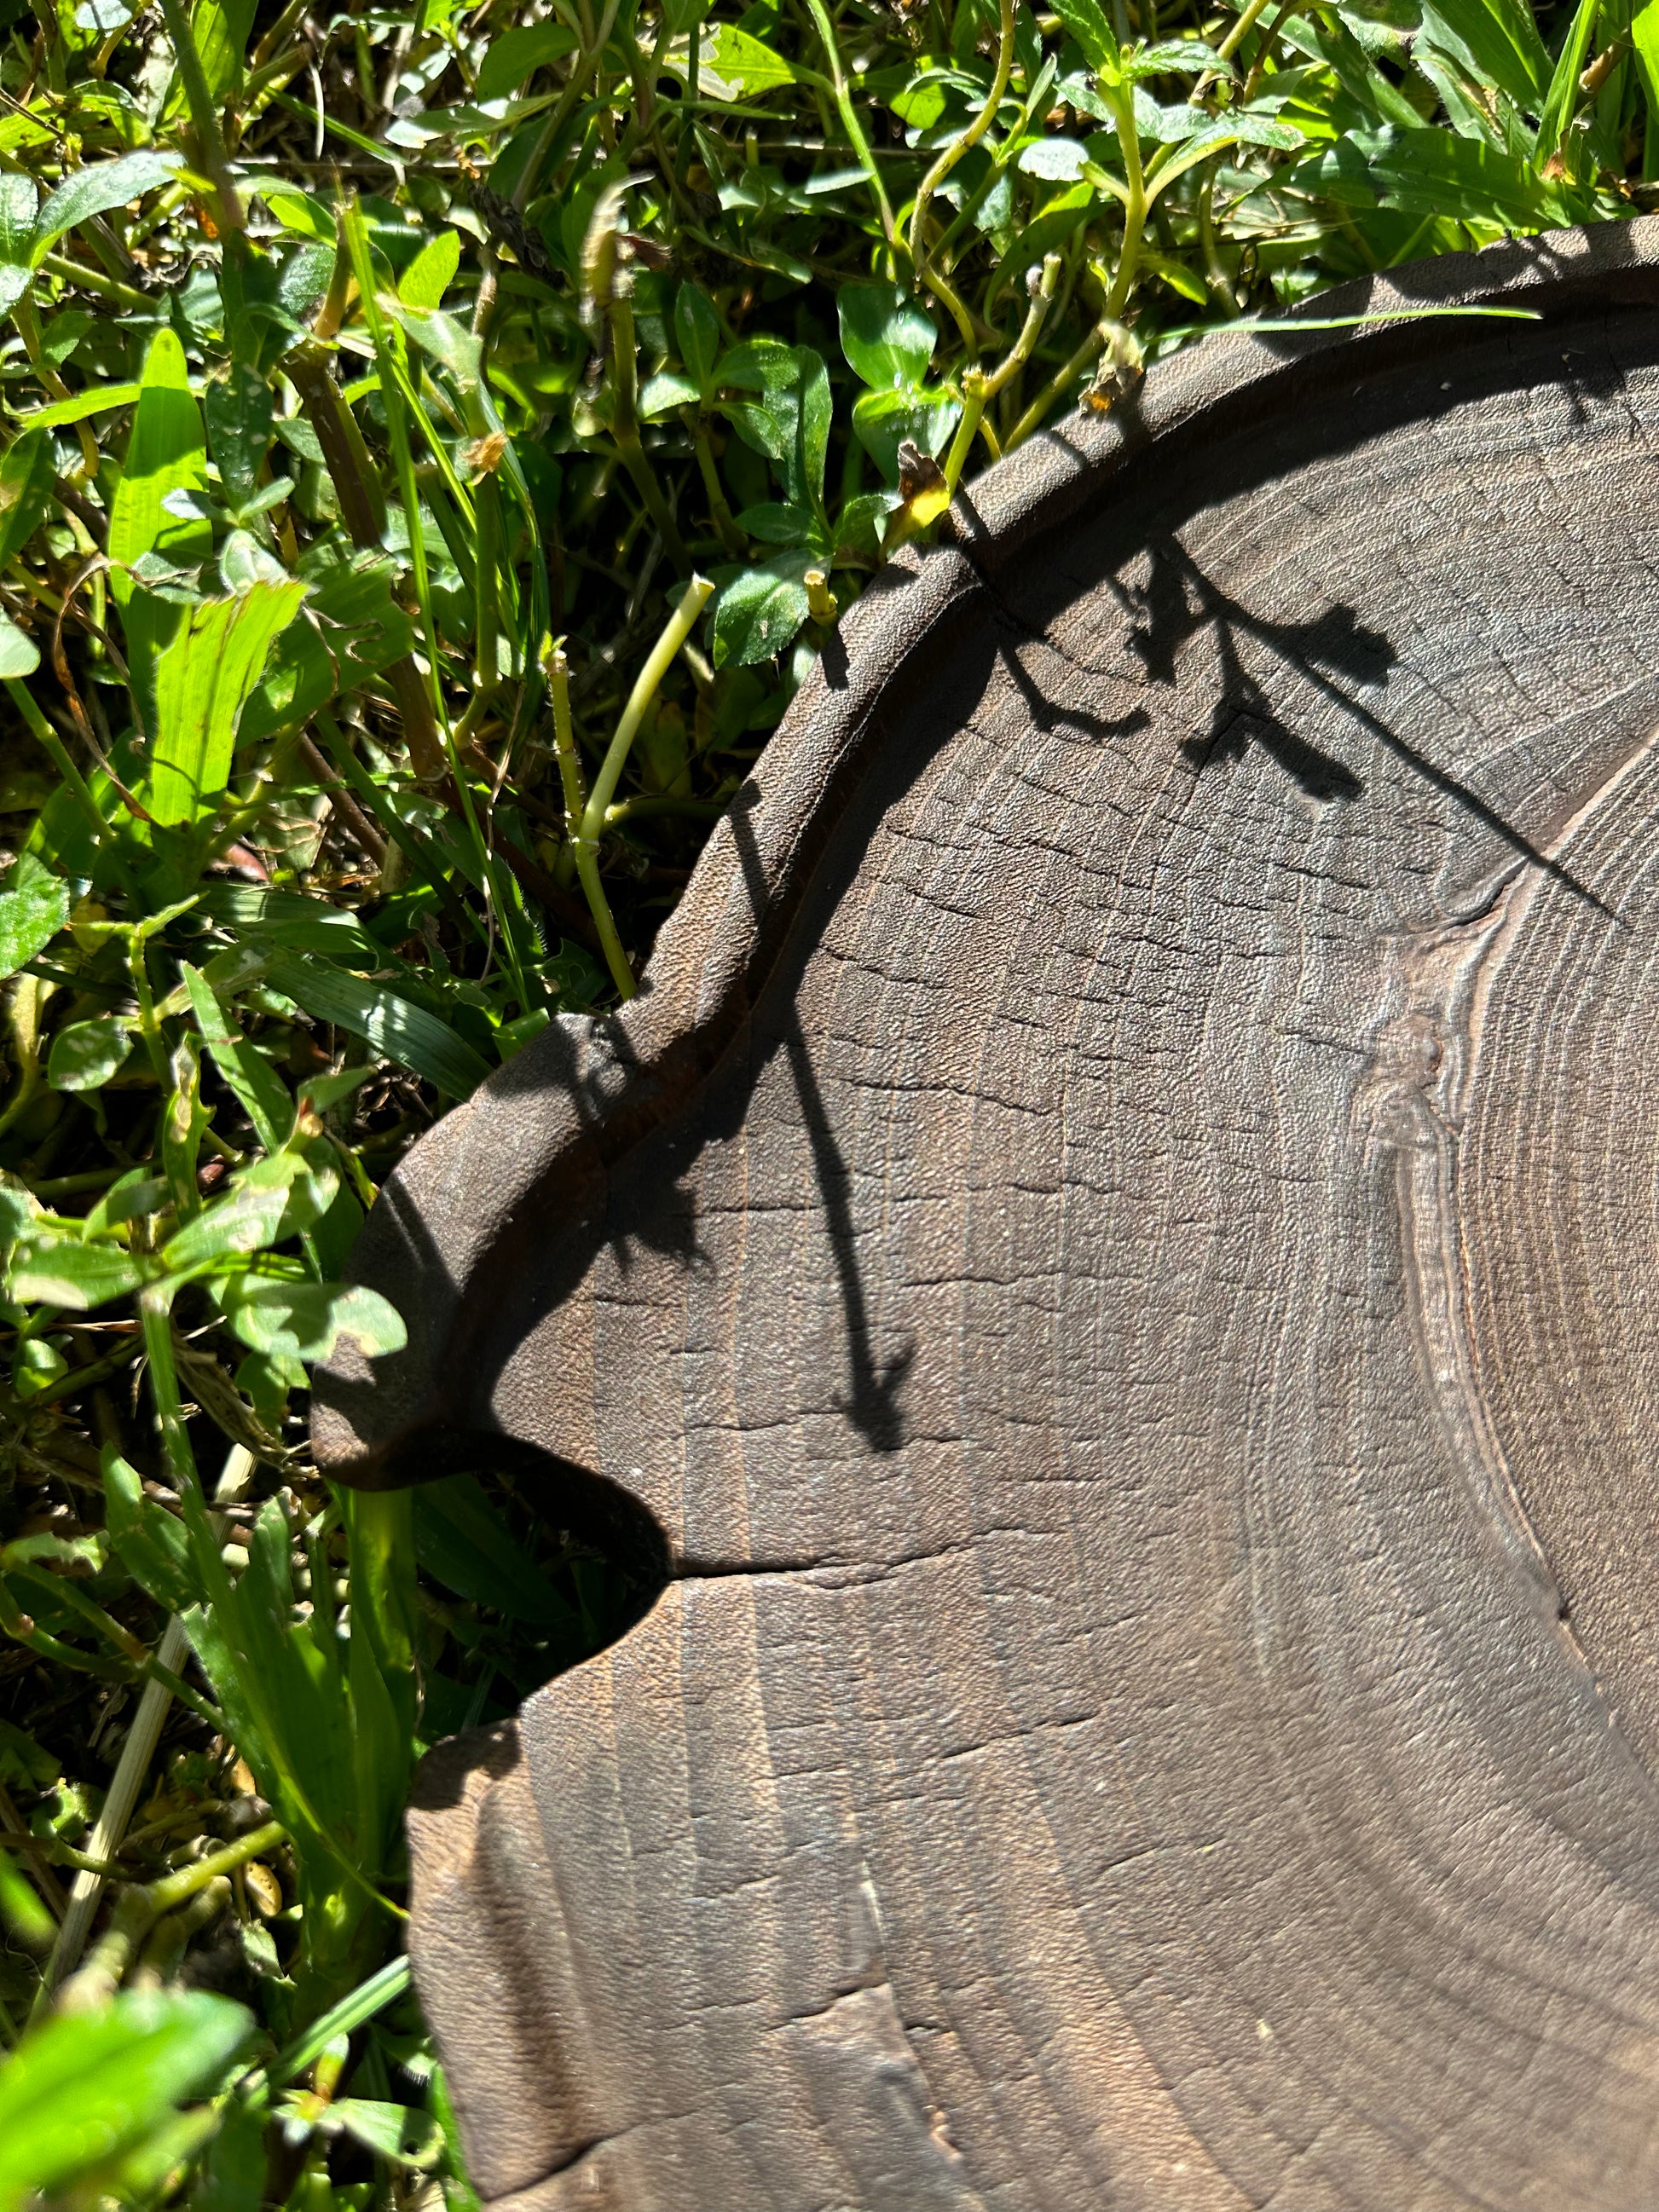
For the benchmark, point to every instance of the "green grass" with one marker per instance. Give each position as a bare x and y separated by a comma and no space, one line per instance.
434,447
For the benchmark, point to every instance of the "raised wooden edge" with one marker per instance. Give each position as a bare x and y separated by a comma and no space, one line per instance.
578,1099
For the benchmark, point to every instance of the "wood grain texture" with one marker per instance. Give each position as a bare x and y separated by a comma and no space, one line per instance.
1118,1250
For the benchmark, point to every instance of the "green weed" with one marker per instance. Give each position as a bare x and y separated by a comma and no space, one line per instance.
435,445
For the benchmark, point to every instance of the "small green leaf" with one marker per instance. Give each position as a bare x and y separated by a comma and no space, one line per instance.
256,1085
665,389
238,406
305,1321
265,1204
450,343
776,524
19,654
97,188
136,1192
432,271
17,207
397,2132
34,905
349,629
1174,58
85,2088
697,332
246,1220
1055,161
887,336
25,490
758,610
299,212
518,54
58,1271
1088,25
744,64
86,1054
882,421
151,1543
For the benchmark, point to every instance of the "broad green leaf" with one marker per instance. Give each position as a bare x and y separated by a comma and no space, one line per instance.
697,332
305,1321
166,452
85,2088
665,389
19,654
432,271
34,905
1087,24
203,679
86,1054
222,29
97,188
59,1270
887,336
25,489
757,613
744,64
397,2132
1644,38
150,1542
395,1027
1498,40
238,406
17,210
516,55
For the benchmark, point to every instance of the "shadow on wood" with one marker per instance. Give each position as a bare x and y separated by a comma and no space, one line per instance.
1118,1253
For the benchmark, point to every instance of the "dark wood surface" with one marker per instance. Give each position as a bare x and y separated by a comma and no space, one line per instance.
1117,1255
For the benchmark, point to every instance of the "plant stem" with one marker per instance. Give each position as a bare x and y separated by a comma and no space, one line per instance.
204,121
362,509
851,123
586,842
963,143
105,1839
978,389
1241,30
624,424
